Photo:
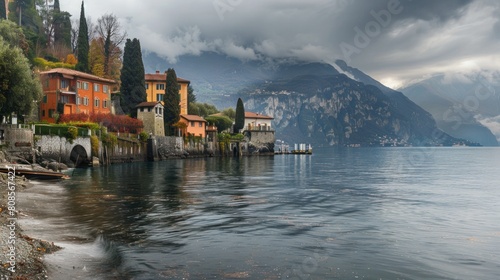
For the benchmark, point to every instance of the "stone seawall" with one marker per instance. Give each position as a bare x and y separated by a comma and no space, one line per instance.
125,150
258,143
60,149
17,141
168,147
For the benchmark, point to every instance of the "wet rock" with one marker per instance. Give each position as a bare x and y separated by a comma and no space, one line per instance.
95,161
62,166
54,166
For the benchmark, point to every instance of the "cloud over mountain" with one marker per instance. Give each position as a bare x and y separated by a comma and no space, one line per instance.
405,39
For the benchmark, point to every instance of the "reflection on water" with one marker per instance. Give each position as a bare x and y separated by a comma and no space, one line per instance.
340,213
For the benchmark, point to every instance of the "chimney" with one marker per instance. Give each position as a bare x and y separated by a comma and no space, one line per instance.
157,71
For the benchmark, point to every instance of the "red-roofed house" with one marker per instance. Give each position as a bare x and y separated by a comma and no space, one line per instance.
67,91
155,89
196,125
255,121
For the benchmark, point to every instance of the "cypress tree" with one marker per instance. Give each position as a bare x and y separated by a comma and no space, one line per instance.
66,30
57,21
83,44
62,26
3,11
133,89
171,100
239,122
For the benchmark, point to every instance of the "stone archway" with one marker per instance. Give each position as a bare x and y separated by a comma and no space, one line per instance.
79,156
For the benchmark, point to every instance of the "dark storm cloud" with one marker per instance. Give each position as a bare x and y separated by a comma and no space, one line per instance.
425,34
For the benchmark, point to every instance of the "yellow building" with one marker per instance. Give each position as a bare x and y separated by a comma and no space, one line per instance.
155,89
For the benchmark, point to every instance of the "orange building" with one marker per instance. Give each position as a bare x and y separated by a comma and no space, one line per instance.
155,89
195,125
69,91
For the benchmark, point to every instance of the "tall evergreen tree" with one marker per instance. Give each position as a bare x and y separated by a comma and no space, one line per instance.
239,121
83,44
191,95
26,15
56,10
3,11
65,35
62,26
133,85
171,100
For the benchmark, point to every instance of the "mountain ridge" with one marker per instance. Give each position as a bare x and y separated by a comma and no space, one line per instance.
460,104
314,102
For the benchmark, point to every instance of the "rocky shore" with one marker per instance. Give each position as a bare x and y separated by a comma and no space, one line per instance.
20,256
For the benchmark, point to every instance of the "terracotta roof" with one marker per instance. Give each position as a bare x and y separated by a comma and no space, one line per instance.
252,115
147,104
74,73
193,118
162,77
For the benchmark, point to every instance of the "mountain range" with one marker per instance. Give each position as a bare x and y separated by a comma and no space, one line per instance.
464,106
317,103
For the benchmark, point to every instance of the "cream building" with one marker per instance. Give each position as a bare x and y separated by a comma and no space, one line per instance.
151,114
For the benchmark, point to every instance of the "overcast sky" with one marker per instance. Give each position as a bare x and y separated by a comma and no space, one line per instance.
394,41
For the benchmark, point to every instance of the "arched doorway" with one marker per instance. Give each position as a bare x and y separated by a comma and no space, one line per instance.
79,156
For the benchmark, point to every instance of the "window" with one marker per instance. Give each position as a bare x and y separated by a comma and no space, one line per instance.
78,101
43,113
96,102
64,83
51,113
85,85
160,86
44,99
86,101
64,99
192,124
105,103
96,88
105,89
78,84
159,97
201,124
147,86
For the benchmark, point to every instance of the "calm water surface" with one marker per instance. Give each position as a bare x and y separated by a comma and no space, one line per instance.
391,213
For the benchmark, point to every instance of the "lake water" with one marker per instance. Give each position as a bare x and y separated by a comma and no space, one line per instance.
380,213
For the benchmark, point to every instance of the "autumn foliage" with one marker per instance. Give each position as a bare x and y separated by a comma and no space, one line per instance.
71,59
114,123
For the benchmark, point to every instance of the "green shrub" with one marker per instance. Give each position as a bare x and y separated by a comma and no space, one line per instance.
43,64
143,136
109,140
94,143
71,133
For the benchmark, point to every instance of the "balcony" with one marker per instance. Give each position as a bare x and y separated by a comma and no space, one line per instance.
258,128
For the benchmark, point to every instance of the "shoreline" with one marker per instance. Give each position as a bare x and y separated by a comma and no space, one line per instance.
25,259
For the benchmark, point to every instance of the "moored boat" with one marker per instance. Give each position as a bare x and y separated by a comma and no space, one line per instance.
31,173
